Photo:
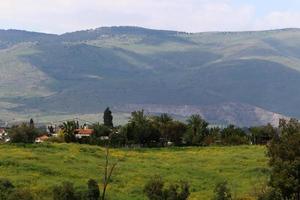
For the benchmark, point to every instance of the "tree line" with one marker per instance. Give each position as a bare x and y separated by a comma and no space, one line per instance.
152,131
160,131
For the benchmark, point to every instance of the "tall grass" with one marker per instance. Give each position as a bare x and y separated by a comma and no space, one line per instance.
40,167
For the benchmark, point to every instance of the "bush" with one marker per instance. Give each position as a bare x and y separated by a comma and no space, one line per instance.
154,190
177,191
270,194
222,192
65,191
57,139
93,192
6,188
20,194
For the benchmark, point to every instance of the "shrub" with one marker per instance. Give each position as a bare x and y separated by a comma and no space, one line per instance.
6,188
177,191
20,194
222,192
154,188
65,191
57,139
93,192
270,194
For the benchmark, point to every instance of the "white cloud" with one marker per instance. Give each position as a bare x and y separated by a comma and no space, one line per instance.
186,15
279,19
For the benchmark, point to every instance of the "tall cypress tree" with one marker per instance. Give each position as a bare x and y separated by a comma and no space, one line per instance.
31,123
108,118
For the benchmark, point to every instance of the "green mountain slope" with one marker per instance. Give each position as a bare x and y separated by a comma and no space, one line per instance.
84,71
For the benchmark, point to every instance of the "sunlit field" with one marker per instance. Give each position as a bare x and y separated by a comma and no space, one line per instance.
40,167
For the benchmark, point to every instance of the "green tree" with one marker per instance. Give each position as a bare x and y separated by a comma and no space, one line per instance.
284,153
176,131
108,118
69,128
222,191
162,121
141,130
233,136
101,130
170,129
213,137
163,124
262,134
23,134
31,123
197,130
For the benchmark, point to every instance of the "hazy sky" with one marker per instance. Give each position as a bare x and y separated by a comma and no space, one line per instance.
58,16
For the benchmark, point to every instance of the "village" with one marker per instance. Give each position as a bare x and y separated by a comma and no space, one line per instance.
82,130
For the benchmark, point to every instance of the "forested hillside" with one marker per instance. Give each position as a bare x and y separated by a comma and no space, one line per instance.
235,77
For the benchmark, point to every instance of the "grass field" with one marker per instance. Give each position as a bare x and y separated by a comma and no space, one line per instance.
40,167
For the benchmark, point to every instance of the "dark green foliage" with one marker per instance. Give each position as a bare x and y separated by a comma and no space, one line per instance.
31,123
170,130
117,139
222,191
284,153
162,123
140,130
262,134
101,130
176,191
233,136
155,190
270,194
93,192
65,191
23,134
197,130
213,137
21,194
69,128
108,118
176,131
6,188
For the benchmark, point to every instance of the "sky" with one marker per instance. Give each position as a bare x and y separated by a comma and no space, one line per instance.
60,16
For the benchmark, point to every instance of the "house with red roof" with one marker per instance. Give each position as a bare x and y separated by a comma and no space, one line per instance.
42,139
83,132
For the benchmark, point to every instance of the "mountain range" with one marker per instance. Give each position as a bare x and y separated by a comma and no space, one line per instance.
244,78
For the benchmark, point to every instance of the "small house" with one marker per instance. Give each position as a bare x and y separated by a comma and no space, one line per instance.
85,132
41,139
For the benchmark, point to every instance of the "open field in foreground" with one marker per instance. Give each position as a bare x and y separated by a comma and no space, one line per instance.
40,167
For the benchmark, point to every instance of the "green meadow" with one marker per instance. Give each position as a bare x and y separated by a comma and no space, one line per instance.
40,167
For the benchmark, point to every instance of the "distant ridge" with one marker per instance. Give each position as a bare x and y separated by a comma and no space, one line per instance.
82,72
145,29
